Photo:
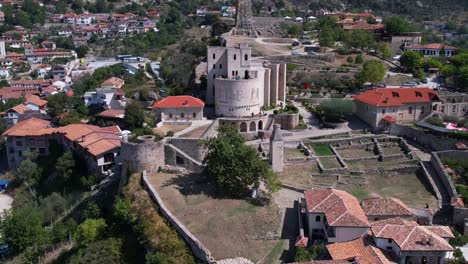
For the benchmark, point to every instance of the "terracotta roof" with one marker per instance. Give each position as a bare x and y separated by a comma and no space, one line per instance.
113,82
36,101
442,231
389,119
412,237
29,127
435,46
70,93
95,140
20,109
387,206
179,101
397,96
361,249
113,113
339,207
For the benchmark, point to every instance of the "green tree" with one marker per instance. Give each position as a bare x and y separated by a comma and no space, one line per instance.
52,206
134,115
22,228
90,230
359,59
327,37
396,25
336,110
65,166
23,19
3,126
122,210
349,59
372,71
411,60
359,38
461,78
233,166
385,51
432,63
102,251
29,172
92,211
457,257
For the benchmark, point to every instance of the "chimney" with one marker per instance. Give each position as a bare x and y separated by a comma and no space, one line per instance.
83,138
424,240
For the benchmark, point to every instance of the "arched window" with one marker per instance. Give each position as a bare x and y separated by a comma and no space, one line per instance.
182,115
170,115
214,76
220,66
246,57
243,127
252,126
214,66
260,125
214,56
194,115
317,218
247,75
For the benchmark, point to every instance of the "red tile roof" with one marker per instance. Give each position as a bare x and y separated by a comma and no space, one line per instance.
178,101
411,237
387,206
20,109
361,249
339,207
390,119
95,140
397,96
113,113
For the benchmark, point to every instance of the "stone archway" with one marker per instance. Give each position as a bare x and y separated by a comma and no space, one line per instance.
260,125
252,126
243,127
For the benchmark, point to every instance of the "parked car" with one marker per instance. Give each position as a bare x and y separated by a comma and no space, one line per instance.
424,81
381,85
5,250
307,42
410,84
295,53
295,43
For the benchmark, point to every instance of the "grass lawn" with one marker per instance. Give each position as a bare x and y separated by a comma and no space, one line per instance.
391,150
330,162
227,227
290,153
372,164
322,150
354,153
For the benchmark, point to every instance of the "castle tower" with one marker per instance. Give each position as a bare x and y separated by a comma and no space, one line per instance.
244,24
276,149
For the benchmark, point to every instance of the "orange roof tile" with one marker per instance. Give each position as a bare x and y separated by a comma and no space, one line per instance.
397,96
361,249
435,46
339,207
32,126
179,101
410,237
112,113
386,206
20,109
113,81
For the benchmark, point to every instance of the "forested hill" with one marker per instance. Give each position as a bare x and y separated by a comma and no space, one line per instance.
418,9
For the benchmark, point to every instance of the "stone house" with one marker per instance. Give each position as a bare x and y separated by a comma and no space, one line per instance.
384,208
405,39
109,98
433,49
334,215
179,108
100,147
382,106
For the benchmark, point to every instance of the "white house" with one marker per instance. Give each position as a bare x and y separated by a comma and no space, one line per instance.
110,98
179,108
334,215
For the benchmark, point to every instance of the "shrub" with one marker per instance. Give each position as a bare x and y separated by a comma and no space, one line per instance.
336,110
359,59
170,133
275,112
451,119
349,59
435,121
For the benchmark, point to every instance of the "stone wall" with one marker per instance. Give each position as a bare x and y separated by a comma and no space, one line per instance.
143,155
192,147
427,139
287,121
178,158
443,175
198,249
431,182
459,216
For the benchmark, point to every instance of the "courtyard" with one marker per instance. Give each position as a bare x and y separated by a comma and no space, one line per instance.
227,227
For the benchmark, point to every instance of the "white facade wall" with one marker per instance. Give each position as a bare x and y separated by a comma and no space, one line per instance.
179,114
349,233
385,244
239,98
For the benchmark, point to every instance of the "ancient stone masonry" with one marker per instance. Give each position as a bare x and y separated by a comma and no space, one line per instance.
244,22
276,149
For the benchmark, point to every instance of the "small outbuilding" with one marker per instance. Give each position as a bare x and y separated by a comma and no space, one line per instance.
179,108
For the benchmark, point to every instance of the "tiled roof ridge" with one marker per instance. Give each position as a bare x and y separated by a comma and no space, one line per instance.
434,235
408,236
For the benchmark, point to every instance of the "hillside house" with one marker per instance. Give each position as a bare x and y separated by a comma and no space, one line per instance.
405,39
382,106
384,208
108,98
433,49
179,108
334,215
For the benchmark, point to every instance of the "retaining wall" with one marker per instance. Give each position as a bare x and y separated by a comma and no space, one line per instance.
443,175
176,157
146,155
191,146
287,121
431,182
198,249
427,139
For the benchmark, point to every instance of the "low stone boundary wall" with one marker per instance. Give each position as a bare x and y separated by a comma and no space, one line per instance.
340,159
198,249
356,146
431,182
361,158
443,175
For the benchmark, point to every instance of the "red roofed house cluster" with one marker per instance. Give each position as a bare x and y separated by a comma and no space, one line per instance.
338,217
99,146
179,108
379,107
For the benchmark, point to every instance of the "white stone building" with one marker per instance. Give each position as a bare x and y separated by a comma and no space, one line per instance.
238,86
110,98
179,108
